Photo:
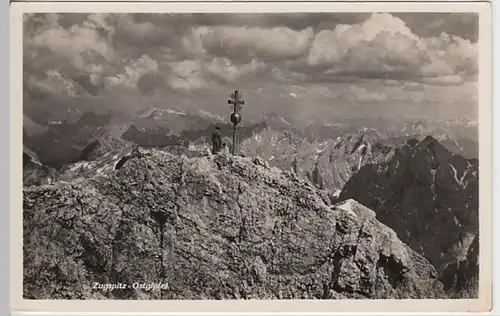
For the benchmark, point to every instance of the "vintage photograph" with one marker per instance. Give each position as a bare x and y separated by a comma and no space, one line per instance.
236,156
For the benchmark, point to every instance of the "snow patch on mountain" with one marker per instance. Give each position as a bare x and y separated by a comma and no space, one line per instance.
171,111
210,115
156,113
284,121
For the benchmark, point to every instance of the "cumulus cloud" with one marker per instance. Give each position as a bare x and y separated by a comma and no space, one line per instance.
224,69
190,75
54,83
383,46
124,30
358,58
133,72
331,46
241,43
72,43
187,75
378,46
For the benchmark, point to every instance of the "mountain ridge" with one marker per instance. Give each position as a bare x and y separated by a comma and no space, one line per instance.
429,196
212,227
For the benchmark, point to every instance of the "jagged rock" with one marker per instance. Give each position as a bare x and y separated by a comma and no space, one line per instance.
34,172
356,209
63,141
260,162
216,227
428,195
328,164
461,278
102,157
157,137
103,146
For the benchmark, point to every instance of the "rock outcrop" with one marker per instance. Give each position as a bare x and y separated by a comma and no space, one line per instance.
215,227
100,157
327,164
103,146
34,172
429,196
461,277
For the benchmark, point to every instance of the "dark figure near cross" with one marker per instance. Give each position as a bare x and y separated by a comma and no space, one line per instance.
236,101
216,141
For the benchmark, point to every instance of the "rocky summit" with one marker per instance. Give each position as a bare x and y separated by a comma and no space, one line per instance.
212,227
429,196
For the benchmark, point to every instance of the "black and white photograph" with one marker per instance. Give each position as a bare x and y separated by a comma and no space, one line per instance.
250,156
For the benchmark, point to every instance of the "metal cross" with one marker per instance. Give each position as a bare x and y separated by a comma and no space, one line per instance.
236,101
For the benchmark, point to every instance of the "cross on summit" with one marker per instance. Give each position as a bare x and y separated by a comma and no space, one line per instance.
236,101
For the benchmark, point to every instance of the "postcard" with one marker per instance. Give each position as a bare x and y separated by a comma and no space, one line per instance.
239,156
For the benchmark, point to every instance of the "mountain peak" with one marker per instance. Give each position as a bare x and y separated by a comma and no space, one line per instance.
427,195
236,226
429,141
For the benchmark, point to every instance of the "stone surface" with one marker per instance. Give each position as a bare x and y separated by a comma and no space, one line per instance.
461,277
214,227
327,164
429,196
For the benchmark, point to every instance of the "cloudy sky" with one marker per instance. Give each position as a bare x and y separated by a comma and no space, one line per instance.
308,65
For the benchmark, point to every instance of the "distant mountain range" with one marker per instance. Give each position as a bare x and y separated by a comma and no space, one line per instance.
61,142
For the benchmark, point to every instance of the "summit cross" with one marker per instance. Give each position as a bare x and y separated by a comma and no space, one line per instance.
236,101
